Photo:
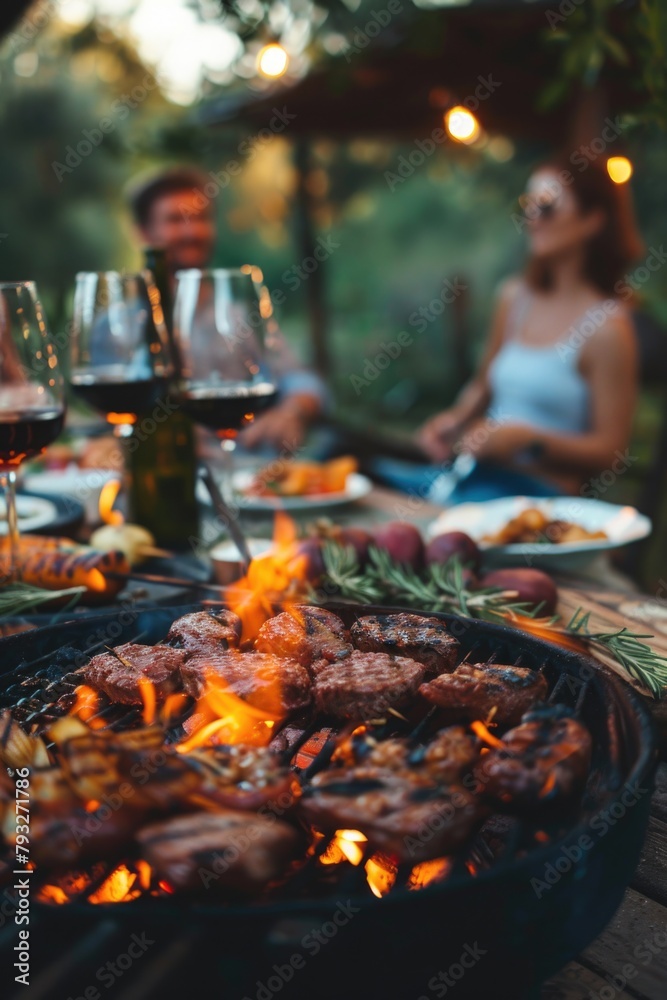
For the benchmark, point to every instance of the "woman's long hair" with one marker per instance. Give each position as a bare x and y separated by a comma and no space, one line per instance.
618,242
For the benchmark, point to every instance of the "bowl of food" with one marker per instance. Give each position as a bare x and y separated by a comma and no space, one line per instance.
562,533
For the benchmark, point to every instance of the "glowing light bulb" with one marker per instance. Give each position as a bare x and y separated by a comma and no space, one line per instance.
272,61
461,124
619,169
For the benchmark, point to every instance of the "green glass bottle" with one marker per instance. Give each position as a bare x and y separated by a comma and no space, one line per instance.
163,460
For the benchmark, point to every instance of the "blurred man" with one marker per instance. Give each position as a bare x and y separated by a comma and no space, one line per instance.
172,212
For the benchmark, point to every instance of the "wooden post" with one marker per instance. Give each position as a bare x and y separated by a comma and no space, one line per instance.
314,286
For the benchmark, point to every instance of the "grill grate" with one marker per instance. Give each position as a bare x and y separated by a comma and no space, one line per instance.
44,689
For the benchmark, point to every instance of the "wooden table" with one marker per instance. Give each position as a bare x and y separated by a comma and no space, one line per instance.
633,948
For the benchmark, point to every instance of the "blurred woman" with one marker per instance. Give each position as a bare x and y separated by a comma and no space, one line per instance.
553,400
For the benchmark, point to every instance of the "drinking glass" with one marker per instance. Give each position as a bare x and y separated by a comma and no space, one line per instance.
32,399
224,374
121,360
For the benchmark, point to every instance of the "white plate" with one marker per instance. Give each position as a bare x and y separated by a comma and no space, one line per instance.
33,512
357,486
621,524
84,485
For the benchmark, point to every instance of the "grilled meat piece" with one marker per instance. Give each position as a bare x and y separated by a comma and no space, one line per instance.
269,682
365,685
474,690
408,817
543,761
232,852
117,674
304,634
239,776
450,754
425,640
206,630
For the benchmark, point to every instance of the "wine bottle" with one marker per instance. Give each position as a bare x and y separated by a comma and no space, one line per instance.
163,461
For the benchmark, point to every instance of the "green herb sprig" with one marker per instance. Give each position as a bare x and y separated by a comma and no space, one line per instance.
22,598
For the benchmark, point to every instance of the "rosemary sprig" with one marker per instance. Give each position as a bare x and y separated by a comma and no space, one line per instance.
636,657
20,598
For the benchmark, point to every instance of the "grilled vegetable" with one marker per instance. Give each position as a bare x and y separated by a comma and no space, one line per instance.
61,568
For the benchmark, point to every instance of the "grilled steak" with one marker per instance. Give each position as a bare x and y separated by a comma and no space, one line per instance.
269,682
450,754
117,676
409,818
234,853
365,685
304,634
473,691
543,761
206,630
425,640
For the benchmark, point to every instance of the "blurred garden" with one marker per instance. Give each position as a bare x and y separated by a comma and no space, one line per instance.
413,245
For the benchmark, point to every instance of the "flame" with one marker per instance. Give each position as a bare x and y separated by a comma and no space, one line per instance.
86,706
173,706
108,496
116,888
380,875
272,577
52,894
428,872
543,630
480,730
145,872
345,846
548,786
147,692
223,717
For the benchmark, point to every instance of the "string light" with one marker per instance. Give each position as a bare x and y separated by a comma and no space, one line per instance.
619,169
272,61
462,125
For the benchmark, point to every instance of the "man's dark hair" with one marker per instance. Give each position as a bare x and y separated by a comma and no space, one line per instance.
142,196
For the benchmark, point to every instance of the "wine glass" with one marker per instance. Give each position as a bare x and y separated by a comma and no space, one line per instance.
32,400
220,341
121,360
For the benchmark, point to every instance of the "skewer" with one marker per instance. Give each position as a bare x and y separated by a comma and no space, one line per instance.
167,581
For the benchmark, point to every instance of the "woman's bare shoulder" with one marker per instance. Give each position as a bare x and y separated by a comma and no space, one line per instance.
614,333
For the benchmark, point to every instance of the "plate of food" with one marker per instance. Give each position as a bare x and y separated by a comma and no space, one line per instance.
558,532
298,485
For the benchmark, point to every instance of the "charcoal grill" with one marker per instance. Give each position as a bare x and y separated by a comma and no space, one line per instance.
511,912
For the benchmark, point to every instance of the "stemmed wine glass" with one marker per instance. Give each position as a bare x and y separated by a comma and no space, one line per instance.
222,355
121,360
32,400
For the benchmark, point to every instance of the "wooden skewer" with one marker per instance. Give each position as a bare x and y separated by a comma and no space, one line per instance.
151,550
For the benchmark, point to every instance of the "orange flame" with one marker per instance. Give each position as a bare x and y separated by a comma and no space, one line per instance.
222,717
108,496
271,578
380,875
147,692
345,846
173,706
116,888
428,872
86,706
541,628
52,894
480,730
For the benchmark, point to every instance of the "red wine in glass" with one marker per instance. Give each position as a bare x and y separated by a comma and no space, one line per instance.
26,434
228,410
